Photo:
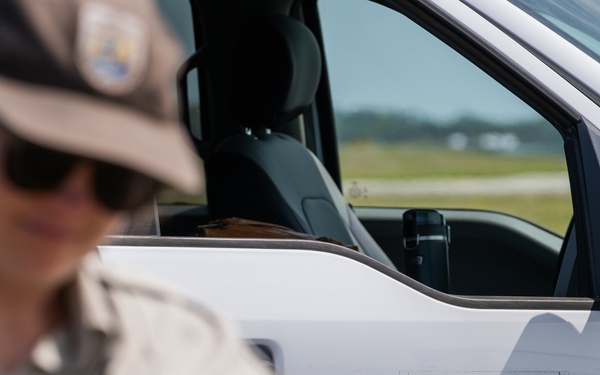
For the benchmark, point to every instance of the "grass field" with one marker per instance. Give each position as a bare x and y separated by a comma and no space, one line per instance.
400,162
552,212
415,162
410,162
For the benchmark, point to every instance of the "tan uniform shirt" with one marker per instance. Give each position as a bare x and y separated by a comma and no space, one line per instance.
120,325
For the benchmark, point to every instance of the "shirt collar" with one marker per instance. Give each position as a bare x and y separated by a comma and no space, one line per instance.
90,326
96,308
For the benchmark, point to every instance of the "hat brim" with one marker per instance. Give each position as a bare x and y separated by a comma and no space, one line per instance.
91,127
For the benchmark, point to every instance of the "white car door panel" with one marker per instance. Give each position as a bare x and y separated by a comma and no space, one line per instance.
328,311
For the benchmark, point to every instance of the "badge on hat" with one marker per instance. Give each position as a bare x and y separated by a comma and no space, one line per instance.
112,48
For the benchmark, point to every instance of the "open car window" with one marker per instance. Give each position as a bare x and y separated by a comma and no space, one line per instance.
420,126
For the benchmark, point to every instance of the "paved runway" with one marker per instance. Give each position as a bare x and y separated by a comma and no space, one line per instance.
523,184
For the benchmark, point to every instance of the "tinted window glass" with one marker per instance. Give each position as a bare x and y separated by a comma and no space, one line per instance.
179,16
575,20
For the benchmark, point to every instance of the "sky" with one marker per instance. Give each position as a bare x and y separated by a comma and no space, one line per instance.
380,60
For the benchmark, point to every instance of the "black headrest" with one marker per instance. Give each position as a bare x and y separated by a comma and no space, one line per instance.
277,67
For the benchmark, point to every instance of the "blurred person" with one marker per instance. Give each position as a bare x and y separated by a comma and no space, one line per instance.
88,128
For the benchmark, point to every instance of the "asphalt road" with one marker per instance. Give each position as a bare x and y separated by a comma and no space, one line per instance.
523,184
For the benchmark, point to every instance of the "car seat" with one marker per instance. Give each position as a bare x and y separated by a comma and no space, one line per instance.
270,176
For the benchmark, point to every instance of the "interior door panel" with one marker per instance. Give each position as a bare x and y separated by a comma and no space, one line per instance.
490,253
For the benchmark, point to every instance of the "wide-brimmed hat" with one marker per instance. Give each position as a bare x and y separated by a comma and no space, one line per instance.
96,78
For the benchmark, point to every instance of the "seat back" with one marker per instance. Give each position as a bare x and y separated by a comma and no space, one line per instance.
270,176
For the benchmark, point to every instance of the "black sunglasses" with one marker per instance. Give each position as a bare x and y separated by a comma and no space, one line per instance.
32,167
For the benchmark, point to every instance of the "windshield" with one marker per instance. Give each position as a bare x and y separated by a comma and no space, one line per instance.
574,20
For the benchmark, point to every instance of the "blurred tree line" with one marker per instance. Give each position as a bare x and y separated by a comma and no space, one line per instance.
389,127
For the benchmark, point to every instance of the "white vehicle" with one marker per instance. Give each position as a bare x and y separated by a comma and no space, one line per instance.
264,106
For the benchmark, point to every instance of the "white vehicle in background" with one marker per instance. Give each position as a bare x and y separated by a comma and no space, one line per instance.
521,299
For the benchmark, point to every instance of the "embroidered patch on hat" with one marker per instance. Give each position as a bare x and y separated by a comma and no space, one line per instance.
112,48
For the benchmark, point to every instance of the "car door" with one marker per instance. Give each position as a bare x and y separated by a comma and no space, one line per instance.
320,309
424,124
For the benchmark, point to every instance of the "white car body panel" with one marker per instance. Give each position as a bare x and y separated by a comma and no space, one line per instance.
323,313
351,318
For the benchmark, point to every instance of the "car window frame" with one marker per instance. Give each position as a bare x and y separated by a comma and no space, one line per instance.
565,118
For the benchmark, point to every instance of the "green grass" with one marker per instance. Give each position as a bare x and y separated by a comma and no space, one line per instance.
407,162
172,196
397,162
552,212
